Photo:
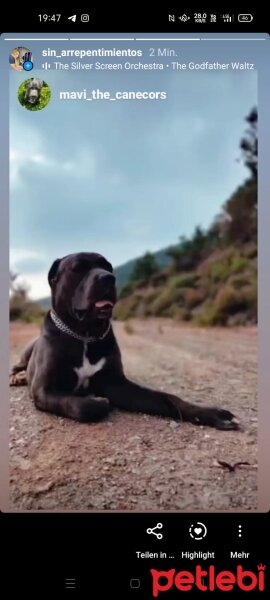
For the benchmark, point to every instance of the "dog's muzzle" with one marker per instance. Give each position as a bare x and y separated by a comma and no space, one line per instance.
95,296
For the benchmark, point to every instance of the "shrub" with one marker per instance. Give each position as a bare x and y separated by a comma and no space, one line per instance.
179,313
33,318
194,297
126,290
149,294
237,320
162,302
128,328
204,314
220,270
21,307
230,301
183,280
241,280
205,319
159,278
251,251
250,301
239,263
126,308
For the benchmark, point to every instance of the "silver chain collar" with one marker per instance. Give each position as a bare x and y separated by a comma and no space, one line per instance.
60,325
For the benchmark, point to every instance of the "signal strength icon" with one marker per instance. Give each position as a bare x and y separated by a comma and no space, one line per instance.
73,18
227,18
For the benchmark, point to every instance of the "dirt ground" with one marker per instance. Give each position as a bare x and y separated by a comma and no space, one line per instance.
139,462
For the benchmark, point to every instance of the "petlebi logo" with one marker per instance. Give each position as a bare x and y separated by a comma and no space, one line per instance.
208,580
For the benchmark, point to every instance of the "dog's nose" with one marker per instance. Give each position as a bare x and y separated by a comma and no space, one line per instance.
106,278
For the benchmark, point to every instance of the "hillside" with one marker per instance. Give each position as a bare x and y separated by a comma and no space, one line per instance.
45,303
210,278
123,272
221,290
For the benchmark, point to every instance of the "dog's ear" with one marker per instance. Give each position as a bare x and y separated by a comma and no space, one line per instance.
53,271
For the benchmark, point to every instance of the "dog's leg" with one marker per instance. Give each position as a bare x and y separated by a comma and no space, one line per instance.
129,396
18,371
84,408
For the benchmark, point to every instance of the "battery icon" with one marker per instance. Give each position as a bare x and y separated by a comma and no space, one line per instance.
245,18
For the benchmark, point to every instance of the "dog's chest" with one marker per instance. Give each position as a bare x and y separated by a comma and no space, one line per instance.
87,369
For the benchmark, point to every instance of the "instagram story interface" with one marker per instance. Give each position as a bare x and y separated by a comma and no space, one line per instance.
133,277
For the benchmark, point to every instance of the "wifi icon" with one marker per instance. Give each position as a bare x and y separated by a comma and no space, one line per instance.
73,18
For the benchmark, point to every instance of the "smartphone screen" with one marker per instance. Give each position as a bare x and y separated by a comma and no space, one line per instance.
134,180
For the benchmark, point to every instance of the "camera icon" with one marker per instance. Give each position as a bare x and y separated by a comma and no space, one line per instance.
85,18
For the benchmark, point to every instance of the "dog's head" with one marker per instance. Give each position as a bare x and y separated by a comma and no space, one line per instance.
33,90
83,288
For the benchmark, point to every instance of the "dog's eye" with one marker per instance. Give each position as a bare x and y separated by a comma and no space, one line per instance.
79,267
102,263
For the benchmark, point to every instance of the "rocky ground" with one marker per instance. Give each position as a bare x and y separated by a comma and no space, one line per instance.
139,462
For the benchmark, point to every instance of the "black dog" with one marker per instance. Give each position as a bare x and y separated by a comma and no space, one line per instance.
74,368
33,90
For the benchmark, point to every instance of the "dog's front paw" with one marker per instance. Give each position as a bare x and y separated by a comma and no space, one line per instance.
218,418
16,379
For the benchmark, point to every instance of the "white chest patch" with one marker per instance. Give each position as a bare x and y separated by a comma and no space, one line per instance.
87,370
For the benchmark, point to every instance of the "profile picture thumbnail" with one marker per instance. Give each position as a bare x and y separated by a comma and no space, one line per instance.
34,94
21,58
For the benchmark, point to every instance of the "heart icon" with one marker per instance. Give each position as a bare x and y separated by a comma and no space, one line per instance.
198,530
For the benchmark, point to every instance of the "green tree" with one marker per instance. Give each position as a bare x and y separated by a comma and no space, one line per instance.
144,268
20,305
249,143
240,210
189,252
19,301
126,290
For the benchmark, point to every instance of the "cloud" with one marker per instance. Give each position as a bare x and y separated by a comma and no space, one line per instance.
31,270
37,285
37,158
17,254
25,147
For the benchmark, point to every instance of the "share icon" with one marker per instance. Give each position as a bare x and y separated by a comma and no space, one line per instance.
159,536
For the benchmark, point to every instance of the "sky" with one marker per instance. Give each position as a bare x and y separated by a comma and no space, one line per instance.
122,178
